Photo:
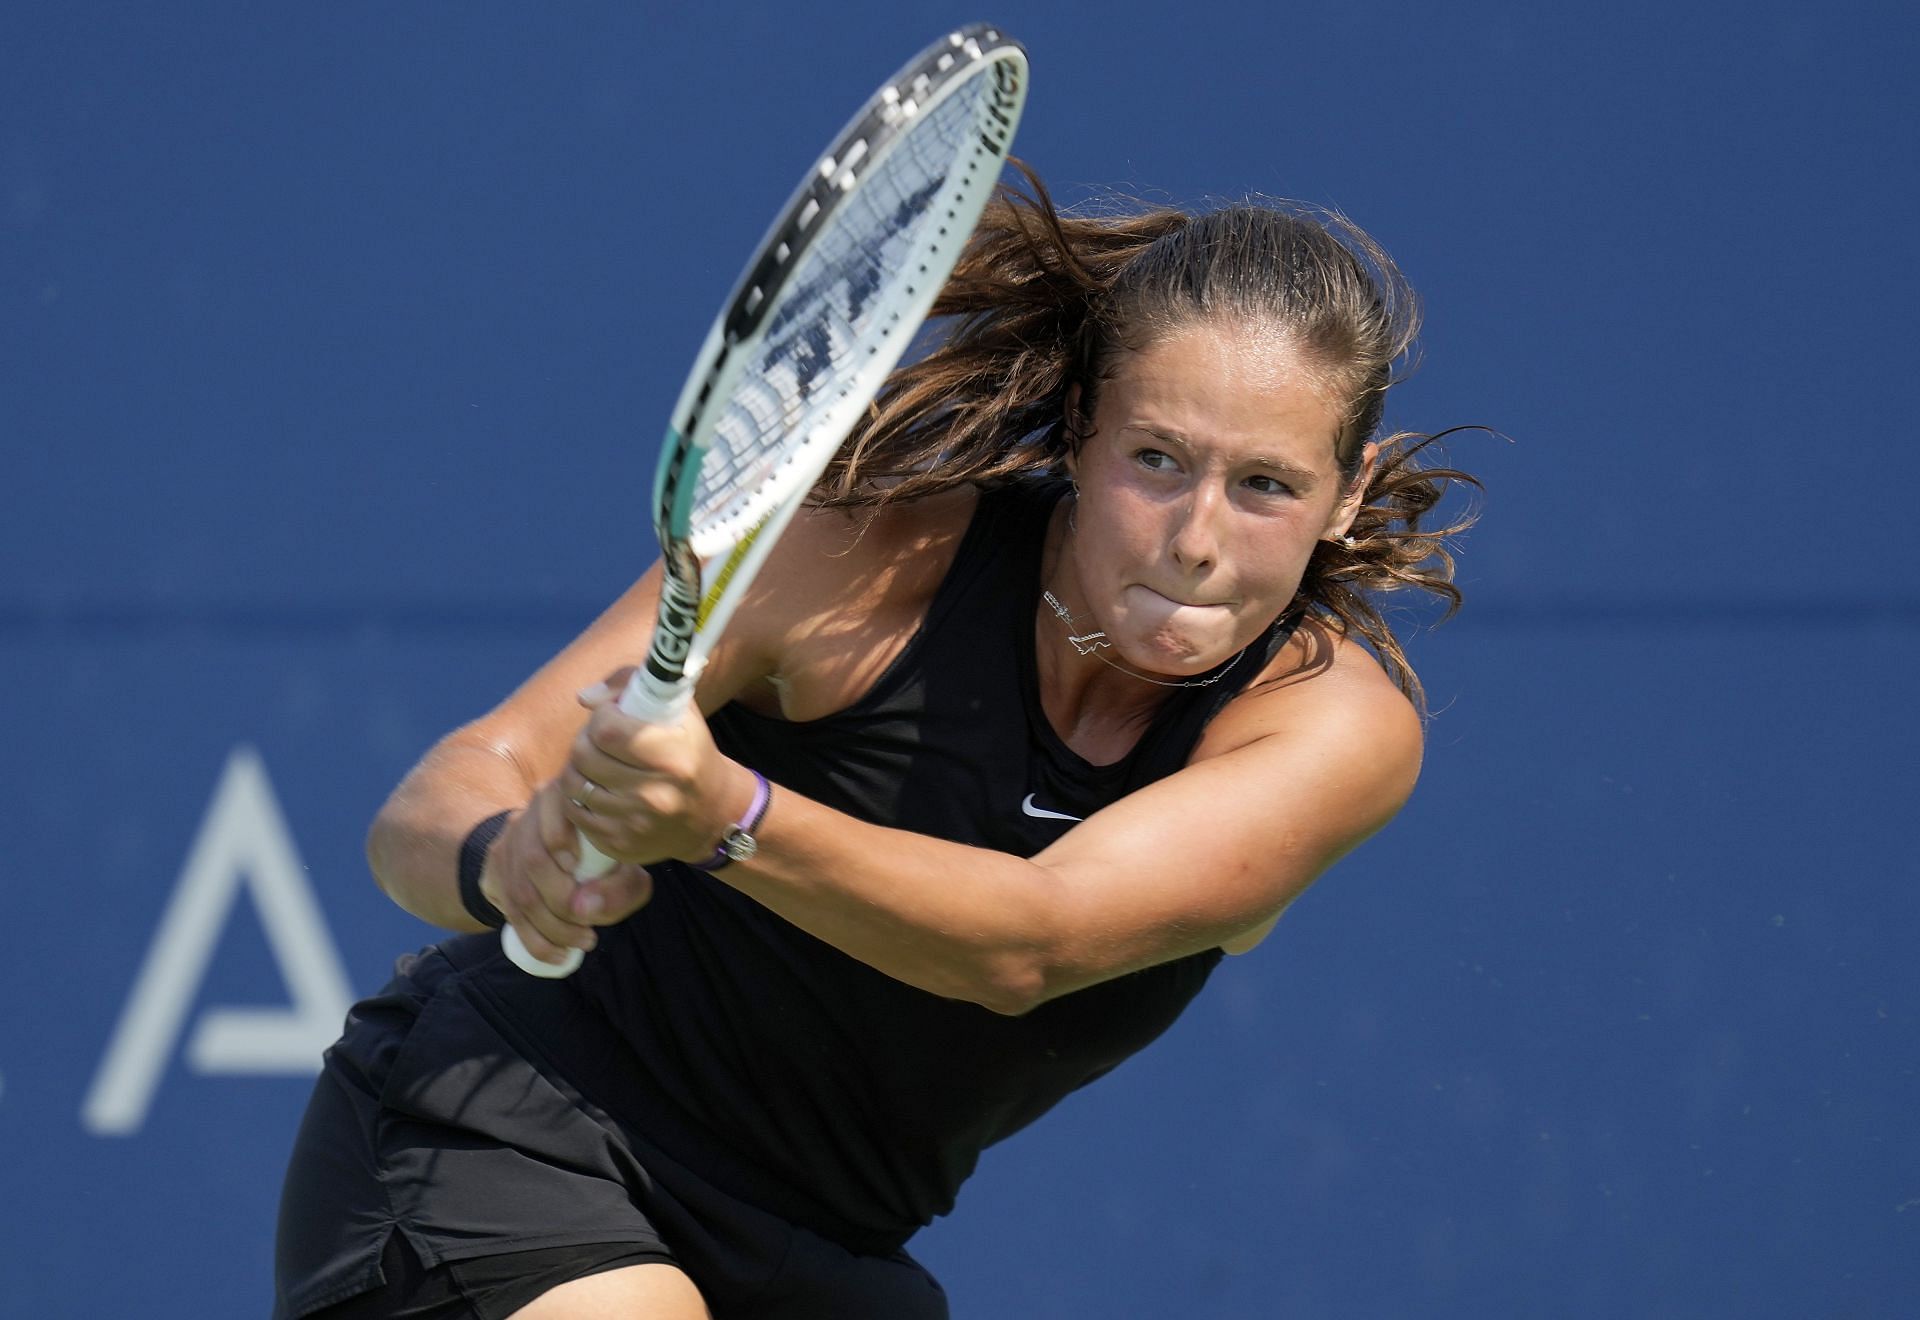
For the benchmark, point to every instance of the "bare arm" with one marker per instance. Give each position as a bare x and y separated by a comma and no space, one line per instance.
507,760
1283,785
414,842
511,759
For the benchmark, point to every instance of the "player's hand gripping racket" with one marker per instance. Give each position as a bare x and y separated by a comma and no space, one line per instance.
824,311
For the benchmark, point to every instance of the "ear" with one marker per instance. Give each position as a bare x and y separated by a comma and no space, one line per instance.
1356,494
1070,416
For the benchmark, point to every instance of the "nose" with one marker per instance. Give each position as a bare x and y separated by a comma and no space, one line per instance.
1195,540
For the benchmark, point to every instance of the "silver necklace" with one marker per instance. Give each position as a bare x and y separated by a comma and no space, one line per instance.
1095,644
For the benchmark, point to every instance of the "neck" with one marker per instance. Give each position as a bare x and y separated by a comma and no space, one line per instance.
1090,702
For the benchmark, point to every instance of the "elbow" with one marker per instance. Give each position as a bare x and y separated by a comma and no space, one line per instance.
1030,962
1012,986
1009,1001
389,843
378,849
394,859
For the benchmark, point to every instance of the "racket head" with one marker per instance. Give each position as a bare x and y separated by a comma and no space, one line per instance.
822,313
838,286
824,310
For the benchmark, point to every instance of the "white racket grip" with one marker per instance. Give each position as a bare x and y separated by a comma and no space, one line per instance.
653,702
519,956
592,863
650,701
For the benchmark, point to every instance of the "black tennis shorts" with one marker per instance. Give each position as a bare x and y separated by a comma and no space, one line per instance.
440,1173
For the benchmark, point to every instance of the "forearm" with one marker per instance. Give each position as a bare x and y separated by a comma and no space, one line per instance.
967,923
414,843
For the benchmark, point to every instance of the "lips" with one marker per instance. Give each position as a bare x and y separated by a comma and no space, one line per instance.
1188,604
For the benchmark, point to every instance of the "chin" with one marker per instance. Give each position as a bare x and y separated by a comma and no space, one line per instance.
1181,657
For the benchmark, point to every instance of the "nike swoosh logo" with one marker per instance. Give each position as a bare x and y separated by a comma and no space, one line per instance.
1027,806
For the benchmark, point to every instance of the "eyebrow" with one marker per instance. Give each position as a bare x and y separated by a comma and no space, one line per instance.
1299,475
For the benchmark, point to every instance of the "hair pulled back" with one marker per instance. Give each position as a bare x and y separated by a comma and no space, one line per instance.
1041,302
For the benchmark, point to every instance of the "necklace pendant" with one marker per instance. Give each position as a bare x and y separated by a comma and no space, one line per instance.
1088,643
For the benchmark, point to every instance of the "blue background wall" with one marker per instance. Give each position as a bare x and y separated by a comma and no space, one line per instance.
333,346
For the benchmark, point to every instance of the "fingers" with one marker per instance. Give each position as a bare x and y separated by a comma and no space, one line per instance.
612,897
643,792
607,691
529,877
618,744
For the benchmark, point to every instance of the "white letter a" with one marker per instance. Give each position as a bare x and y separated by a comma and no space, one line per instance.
243,840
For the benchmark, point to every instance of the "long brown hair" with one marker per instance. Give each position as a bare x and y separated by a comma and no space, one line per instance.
1043,301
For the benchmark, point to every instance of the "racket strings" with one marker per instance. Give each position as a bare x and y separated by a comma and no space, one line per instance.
840,301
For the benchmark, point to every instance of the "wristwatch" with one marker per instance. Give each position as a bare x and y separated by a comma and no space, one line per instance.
738,843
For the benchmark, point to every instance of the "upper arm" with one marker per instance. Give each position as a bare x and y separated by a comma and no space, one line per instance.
1284,784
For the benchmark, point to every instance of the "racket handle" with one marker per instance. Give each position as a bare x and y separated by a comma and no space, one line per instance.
593,863
518,954
645,698
650,701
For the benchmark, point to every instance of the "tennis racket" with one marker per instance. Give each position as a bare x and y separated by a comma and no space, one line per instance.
823,312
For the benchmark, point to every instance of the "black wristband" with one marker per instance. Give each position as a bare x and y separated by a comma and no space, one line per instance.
473,860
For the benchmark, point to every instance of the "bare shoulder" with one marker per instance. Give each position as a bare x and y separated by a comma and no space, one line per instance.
1326,693
1295,773
1328,720
873,538
842,564
837,599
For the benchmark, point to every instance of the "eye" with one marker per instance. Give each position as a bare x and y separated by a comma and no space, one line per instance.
1266,485
1157,460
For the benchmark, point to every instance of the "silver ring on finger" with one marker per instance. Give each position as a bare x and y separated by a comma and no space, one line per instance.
587,790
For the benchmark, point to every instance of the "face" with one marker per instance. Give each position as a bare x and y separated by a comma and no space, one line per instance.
1209,477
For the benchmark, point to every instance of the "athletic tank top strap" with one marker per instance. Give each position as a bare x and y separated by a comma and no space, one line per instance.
1170,741
802,1080
952,739
1176,727
1003,533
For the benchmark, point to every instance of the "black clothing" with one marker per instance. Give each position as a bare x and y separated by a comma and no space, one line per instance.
762,1062
857,1102
481,1287
440,1172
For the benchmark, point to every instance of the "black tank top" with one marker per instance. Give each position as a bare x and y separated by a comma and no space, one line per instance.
804,1080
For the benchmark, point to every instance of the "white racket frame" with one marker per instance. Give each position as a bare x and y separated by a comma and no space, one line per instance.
693,614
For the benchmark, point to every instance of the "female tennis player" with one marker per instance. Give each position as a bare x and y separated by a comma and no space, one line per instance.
1068,681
